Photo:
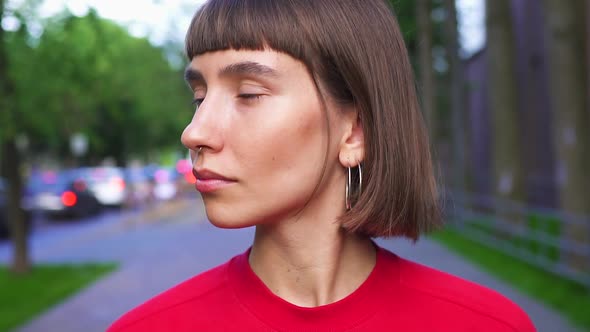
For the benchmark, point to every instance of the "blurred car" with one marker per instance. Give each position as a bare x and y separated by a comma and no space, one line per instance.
164,183
108,185
139,187
63,194
4,224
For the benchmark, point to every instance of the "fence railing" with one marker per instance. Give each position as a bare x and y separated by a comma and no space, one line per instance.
553,240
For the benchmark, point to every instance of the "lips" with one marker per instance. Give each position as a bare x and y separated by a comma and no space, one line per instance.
209,181
205,174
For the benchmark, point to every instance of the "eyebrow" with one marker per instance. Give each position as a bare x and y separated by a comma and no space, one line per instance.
246,68
193,75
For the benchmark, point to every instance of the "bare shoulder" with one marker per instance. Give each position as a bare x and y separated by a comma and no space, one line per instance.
452,291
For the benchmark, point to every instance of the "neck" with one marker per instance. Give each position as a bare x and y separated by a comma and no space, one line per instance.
310,264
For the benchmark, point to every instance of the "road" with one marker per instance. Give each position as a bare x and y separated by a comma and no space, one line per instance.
50,237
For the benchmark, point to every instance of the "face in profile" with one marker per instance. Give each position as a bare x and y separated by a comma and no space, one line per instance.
263,137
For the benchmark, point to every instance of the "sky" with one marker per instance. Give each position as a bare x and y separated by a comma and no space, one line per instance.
471,16
158,20
162,20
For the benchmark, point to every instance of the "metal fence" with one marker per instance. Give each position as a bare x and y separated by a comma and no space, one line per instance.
553,240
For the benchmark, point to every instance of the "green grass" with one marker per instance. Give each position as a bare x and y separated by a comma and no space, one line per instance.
534,223
24,297
567,297
549,226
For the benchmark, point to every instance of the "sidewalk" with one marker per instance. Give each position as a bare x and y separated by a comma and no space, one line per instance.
154,256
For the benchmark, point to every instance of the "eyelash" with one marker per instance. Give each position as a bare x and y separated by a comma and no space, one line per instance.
245,96
249,96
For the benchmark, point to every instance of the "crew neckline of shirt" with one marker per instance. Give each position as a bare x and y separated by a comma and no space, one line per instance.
348,312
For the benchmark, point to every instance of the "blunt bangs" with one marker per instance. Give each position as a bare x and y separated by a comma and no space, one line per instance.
246,25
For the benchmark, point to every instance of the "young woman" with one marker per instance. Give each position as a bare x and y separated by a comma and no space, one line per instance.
307,126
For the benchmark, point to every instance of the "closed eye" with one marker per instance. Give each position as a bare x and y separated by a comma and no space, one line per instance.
249,96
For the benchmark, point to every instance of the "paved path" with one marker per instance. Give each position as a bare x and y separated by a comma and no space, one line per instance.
154,256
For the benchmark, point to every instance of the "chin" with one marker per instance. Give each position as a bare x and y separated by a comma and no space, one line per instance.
227,224
235,216
226,217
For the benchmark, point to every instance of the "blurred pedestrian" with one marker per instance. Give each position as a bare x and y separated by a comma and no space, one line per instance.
308,127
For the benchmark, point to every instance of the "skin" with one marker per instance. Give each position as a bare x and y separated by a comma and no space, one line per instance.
260,122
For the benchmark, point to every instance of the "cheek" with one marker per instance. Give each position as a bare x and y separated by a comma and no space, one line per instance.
290,136
280,165
281,157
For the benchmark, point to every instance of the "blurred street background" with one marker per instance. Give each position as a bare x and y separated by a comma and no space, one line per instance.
98,210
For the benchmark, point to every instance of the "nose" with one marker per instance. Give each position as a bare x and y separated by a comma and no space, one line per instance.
205,129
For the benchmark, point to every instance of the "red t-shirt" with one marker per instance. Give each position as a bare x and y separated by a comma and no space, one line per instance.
398,295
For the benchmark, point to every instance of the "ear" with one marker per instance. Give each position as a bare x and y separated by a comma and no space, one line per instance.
352,146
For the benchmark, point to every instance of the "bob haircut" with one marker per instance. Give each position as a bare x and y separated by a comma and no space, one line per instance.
355,51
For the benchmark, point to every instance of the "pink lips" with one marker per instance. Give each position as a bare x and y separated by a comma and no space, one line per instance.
209,181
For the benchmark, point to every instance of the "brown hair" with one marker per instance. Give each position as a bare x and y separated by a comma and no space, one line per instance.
355,50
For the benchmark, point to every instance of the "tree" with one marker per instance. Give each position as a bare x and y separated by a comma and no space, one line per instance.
11,119
423,10
458,109
119,90
503,93
83,74
568,70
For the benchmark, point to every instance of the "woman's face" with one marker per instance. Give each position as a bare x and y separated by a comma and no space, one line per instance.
262,135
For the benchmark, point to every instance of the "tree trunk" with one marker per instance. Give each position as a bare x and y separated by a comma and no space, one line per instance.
460,128
423,9
503,94
571,132
15,214
11,161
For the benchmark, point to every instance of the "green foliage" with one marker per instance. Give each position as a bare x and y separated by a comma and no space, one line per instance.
87,74
405,11
24,297
567,297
